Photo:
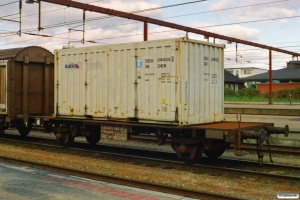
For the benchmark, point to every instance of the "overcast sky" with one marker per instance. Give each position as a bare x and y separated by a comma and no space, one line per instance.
270,22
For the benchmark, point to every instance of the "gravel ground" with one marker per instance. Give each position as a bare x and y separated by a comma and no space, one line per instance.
243,186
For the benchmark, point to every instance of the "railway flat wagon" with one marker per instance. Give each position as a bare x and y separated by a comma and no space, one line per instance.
172,88
26,86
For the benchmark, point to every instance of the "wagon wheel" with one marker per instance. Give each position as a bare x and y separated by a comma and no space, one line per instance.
94,136
24,131
197,157
216,151
70,141
2,131
186,158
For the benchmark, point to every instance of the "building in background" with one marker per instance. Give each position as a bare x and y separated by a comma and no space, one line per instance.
286,78
245,72
293,64
233,82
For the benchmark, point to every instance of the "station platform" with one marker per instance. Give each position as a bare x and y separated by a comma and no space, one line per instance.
262,108
280,114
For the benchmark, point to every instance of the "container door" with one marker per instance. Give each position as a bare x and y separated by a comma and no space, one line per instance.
121,81
3,85
202,69
96,81
156,78
70,82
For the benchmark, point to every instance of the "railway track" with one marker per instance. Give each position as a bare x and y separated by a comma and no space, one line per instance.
198,194
122,181
230,167
275,149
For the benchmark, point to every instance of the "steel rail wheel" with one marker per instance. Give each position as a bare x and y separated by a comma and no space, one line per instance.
24,131
216,150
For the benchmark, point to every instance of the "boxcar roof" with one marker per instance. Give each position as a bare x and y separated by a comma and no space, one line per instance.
9,53
33,53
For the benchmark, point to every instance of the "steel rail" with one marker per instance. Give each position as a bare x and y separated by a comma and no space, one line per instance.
121,181
275,150
144,19
288,148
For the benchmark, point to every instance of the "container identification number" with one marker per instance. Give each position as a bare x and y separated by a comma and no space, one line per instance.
161,65
212,59
149,60
171,59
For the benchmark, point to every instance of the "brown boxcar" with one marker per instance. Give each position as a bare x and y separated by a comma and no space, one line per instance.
26,86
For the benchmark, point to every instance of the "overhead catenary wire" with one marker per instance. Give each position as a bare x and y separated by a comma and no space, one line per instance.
144,10
8,3
260,49
281,18
245,59
9,15
150,9
93,19
218,25
139,11
132,35
46,11
218,10
62,24
253,21
122,36
225,9
253,62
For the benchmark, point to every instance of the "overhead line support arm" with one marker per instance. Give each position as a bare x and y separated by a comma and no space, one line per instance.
140,18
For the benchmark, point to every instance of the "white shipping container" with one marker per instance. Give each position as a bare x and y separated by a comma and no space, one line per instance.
175,81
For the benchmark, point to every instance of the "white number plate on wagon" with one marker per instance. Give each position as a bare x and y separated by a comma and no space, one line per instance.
114,133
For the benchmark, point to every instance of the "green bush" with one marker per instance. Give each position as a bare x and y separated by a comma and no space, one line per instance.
228,92
266,94
252,94
296,92
240,93
248,92
284,93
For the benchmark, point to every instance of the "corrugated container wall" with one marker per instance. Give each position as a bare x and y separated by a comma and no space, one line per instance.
175,81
